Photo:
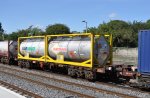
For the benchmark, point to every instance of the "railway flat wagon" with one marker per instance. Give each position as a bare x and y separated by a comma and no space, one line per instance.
144,58
82,55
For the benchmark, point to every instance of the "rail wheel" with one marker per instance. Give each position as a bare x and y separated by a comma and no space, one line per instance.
79,73
9,61
71,72
90,75
2,60
20,64
28,65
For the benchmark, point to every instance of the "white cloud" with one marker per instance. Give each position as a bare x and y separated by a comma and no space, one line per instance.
112,15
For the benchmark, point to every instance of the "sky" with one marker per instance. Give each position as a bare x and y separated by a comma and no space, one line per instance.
20,14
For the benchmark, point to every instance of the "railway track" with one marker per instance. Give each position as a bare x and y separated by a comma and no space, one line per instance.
11,72
121,86
19,90
49,86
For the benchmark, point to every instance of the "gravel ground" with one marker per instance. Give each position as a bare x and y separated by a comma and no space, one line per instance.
33,87
66,86
105,87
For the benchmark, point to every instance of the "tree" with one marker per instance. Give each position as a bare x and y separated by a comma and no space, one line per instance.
13,36
91,30
1,32
34,31
120,30
148,23
57,29
124,33
103,28
136,26
118,24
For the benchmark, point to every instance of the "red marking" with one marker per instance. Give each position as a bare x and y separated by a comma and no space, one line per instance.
41,65
72,54
60,49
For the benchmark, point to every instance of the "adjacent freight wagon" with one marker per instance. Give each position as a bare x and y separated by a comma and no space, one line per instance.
8,52
144,58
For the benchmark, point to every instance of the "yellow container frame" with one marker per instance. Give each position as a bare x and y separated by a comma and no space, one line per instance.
27,57
46,58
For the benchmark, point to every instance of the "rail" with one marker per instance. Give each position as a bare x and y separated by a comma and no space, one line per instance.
77,85
24,92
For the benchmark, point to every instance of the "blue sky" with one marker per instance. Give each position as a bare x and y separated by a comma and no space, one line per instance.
20,14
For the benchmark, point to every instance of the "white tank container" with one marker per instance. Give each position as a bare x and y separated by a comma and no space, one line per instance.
72,48
12,45
78,49
33,47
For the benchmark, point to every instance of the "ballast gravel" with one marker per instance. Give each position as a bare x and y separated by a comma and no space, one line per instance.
33,87
63,85
97,85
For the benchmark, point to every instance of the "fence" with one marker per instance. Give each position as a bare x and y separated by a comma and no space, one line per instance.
125,55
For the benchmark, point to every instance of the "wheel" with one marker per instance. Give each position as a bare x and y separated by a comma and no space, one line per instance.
90,75
71,72
20,64
79,73
27,65
2,61
9,61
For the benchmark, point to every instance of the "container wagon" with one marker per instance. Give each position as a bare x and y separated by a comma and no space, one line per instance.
144,58
81,55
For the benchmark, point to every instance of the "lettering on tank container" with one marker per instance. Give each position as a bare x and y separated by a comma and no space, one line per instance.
28,48
60,49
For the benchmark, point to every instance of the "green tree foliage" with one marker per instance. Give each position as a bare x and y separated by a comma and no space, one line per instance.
148,23
13,36
125,34
91,30
35,31
31,31
57,29
1,32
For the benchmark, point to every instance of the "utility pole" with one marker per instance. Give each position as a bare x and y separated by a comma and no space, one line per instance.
3,36
85,24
